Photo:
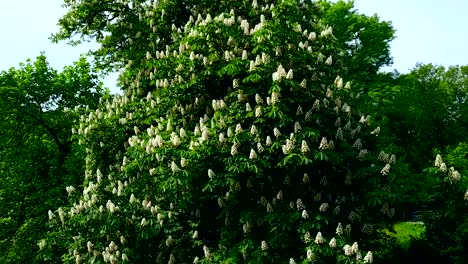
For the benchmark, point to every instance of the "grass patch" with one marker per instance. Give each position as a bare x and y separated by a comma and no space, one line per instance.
407,231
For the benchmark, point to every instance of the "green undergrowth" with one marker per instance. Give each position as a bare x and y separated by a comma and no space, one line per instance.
405,232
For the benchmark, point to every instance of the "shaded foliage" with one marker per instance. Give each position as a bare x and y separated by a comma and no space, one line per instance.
38,159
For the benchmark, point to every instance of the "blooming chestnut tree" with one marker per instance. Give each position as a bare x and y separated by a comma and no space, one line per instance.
236,140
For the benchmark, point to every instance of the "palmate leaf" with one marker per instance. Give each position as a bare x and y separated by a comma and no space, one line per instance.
252,78
232,69
291,158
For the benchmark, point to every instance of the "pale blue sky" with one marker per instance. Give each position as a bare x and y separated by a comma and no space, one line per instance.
428,31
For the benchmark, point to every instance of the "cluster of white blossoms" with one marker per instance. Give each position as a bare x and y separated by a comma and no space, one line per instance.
111,207
339,229
369,257
354,250
362,154
323,207
385,170
288,147
304,147
281,74
387,158
111,254
70,189
211,174
42,244
438,161
305,215
339,82
332,243
319,239
310,255
206,251
453,175
376,131
264,246
325,144
253,154
348,250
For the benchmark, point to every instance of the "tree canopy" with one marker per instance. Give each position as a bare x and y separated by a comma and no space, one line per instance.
38,158
237,138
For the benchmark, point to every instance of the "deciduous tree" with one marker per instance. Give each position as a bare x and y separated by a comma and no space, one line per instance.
38,158
237,139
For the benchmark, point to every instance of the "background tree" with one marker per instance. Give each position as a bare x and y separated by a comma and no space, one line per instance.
365,39
38,158
447,220
420,112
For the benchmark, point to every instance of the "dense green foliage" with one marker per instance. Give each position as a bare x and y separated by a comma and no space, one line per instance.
248,132
406,232
38,159
424,114
258,195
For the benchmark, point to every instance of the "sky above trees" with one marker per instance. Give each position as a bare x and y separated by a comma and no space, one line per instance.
428,31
